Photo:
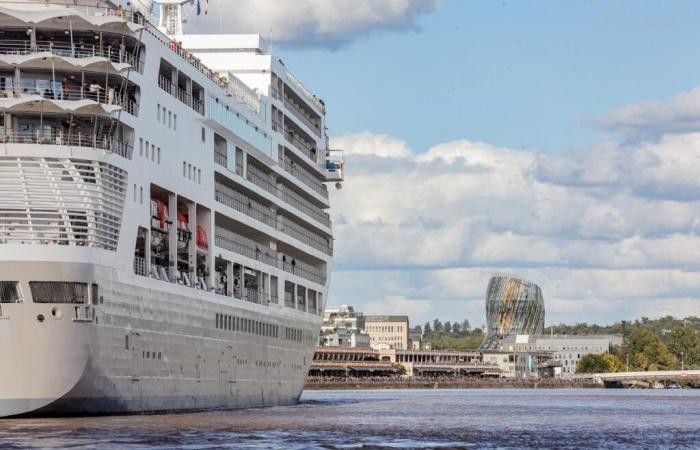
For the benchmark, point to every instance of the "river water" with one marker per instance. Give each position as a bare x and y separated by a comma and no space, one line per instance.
403,419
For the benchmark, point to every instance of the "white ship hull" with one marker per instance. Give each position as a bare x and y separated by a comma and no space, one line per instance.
177,359
165,243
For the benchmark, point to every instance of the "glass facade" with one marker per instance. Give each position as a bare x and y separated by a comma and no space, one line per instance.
513,306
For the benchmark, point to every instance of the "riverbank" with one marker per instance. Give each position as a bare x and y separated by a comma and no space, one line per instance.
358,383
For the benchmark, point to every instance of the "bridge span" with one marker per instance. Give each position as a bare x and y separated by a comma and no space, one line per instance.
658,375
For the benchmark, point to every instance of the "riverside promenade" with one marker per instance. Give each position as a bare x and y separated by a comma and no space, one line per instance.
346,383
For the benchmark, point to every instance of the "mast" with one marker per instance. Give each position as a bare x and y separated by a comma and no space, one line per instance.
170,15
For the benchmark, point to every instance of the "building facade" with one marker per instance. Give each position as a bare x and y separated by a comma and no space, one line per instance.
387,331
567,350
513,306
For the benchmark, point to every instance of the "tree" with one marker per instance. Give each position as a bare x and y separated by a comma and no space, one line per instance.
456,328
684,343
447,328
466,327
598,363
437,325
648,352
426,329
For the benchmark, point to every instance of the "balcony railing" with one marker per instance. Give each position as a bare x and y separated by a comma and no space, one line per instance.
242,203
99,95
242,245
300,233
64,49
261,179
301,115
110,145
304,176
303,205
305,147
181,94
221,158
302,269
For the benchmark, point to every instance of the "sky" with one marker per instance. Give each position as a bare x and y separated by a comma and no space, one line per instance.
559,141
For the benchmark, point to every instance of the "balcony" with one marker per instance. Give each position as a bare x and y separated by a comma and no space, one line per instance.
98,95
244,204
303,175
261,179
109,145
245,246
181,94
66,50
170,275
301,234
301,115
242,245
304,205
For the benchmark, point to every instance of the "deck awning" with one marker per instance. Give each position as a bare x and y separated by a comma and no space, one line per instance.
48,60
38,104
48,16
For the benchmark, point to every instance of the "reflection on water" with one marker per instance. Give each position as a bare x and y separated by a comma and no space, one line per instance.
396,419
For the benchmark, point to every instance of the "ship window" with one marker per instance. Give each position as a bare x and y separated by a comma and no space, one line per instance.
140,146
153,152
184,169
95,294
175,122
141,195
58,292
163,115
135,191
189,171
203,135
147,145
9,292
158,155
199,176
158,113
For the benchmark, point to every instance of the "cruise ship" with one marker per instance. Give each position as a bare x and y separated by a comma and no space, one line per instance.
165,242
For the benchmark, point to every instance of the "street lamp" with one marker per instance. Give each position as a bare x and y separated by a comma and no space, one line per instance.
682,361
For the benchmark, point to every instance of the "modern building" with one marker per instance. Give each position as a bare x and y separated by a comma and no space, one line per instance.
567,349
387,331
513,306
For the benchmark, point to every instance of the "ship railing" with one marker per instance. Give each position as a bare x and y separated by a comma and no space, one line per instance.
305,147
304,176
255,296
308,237
303,270
242,203
140,266
304,205
274,93
301,115
262,180
110,145
304,93
181,94
245,246
289,300
221,158
274,298
66,50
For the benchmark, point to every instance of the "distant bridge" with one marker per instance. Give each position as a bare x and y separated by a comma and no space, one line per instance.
658,375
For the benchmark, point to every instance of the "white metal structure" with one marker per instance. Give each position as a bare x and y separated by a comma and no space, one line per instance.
164,239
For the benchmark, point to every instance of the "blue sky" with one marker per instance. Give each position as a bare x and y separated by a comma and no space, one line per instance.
516,74
558,140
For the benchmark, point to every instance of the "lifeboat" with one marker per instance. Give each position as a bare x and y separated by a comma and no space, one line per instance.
159,215
202,242
183,231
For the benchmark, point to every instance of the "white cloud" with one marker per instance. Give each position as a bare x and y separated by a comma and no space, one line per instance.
607,235
650,119
327,23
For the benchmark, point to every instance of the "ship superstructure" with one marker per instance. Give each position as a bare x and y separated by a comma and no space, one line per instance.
164,236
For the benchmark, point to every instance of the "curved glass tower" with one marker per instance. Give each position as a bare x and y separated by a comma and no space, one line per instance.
513,306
